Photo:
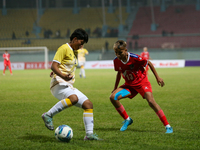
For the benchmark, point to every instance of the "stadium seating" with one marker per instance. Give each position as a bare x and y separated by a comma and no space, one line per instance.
22,20
53,44
182,20
62,19
18,21
167,42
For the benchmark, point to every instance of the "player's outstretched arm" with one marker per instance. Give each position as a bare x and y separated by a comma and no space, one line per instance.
159,80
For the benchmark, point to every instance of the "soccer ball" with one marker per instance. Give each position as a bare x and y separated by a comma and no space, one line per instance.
64,133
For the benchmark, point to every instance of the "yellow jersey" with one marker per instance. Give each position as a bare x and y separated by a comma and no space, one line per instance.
81,54
66,57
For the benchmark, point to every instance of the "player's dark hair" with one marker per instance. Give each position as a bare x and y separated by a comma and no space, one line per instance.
120,44
80,34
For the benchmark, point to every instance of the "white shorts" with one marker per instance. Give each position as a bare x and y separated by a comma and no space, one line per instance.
81,63
63,91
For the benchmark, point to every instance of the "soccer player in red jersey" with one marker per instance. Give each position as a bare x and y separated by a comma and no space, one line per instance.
131,67
6,57
145,55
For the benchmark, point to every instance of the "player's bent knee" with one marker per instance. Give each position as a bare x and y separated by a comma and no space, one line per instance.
112,97
87,105
122,93
73,99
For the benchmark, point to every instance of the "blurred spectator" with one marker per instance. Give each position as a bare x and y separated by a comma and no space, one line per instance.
164,33
126,27
58,34
135,37
13,35
6,57
114,33
88,31
179,10
108,32
136,45
145,55
171,33
47,33
106,45
50,33
27,34
27,41
97,32
68,32
130,45
81,60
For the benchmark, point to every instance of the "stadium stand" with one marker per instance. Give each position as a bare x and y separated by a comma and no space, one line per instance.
180,23
182,20
62,19
53,44
18,21
167,42
22,20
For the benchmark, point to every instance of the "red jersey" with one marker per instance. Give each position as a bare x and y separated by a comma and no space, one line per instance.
145,55
6,58
133,70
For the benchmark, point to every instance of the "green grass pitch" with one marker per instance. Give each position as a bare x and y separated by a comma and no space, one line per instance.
25,96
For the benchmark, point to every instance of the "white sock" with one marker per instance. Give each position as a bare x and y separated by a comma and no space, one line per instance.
88,121
80,72
59,106
167,126
83,72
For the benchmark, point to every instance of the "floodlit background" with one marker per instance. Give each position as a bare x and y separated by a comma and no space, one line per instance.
169,28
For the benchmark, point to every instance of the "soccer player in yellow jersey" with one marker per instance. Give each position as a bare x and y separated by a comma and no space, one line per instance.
81,60
63,76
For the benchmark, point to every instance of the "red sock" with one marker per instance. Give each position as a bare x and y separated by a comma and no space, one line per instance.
122,112
10,69
162,117
4,69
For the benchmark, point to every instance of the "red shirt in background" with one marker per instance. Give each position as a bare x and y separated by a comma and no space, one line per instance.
6,58
145,55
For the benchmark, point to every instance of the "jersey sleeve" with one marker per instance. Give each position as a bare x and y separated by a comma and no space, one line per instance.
142,61
60,55
115,64
86,51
